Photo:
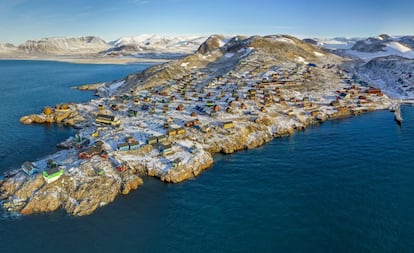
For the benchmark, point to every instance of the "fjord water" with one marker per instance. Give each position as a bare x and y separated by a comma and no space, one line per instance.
28,86
343,186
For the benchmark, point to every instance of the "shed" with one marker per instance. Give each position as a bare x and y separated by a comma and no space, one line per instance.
152,140
161,138
134,145
172,132
29,168
166,149
180,130
52,174
123,147
228,125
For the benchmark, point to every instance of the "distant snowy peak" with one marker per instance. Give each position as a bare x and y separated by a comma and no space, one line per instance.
65,45
7,48
333,43
144,44
383,45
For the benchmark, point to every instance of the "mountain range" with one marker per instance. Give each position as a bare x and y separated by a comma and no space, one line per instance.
152,46
384,61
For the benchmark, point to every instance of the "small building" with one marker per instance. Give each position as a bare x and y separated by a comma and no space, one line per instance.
374,91
180,107
96,149
335,103
216,108
29,168
52,174
123,146
133,145
189,124
290,113
181,130
228,125
161,138
176,163
209,103
108,119
252,92
152,140
172,132
166,149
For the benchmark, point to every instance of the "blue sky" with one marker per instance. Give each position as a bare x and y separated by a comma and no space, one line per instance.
21,20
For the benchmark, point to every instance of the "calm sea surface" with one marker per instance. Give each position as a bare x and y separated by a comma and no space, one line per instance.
344,186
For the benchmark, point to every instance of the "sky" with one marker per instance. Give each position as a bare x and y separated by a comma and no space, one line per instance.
21,20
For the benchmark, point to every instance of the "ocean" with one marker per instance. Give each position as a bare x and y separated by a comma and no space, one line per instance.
343,186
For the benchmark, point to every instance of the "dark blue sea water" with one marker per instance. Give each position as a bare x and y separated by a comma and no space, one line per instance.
344,186
26,87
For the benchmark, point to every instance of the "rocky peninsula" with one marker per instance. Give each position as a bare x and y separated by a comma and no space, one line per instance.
169,120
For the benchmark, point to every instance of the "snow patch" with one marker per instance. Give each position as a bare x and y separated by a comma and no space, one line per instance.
113,87
285,40
301,60
318,54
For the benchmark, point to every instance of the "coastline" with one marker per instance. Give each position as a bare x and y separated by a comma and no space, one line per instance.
88,60
155,124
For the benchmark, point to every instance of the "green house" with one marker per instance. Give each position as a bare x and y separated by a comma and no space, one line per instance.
52,174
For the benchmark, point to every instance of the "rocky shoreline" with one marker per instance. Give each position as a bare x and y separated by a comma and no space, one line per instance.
168,121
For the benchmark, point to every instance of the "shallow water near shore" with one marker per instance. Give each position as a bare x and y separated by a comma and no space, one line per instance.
343,186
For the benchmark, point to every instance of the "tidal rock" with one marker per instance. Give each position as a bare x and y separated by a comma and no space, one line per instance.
47,199
201,160
26,120
131,182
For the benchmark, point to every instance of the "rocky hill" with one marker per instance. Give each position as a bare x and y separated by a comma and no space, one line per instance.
394,74
221,56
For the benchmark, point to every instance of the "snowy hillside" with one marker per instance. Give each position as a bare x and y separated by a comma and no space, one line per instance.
155,44
393,74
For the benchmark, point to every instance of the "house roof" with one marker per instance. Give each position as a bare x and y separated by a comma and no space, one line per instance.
52,171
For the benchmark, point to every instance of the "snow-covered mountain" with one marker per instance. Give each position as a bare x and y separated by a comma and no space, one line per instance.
64,46
144,45
333,43
7,48
150,46
381,46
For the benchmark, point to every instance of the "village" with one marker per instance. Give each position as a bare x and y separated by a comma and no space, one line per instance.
173,121
171,131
